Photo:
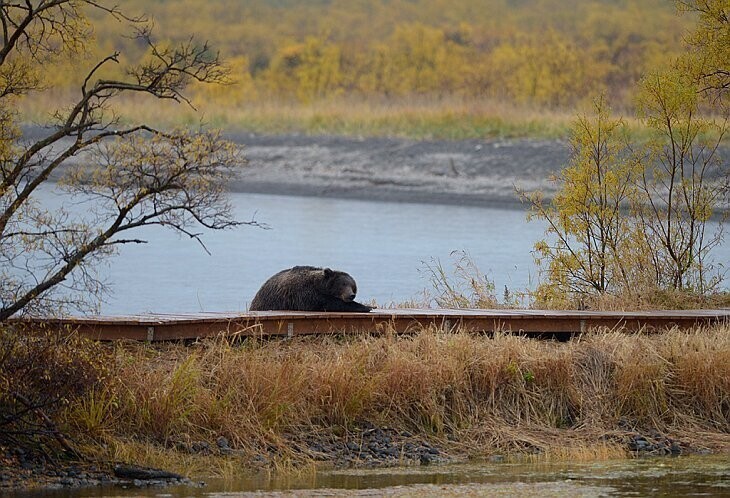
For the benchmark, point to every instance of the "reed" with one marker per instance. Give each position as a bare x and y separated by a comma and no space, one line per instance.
472,394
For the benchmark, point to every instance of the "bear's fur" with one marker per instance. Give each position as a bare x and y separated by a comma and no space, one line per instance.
308,288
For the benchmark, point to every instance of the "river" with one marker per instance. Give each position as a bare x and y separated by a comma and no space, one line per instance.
667,476
386,246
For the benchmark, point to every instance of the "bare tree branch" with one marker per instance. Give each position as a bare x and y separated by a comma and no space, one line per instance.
129,176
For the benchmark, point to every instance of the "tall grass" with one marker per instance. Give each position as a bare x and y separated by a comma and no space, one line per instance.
424,118
475,394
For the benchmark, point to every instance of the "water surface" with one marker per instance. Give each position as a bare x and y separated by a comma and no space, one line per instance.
680,476
385,246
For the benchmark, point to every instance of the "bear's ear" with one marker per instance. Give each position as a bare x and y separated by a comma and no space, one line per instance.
328,273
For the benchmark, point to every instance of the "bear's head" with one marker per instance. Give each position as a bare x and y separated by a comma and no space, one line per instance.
340,285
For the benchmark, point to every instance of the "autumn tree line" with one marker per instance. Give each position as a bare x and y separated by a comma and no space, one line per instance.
548,53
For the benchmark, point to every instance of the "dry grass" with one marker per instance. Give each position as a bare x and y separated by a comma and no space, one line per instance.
419,118
651,299
424,117
460,284
474,394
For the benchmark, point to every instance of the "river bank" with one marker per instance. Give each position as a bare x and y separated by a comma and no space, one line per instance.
467,172
477,172
365,447
219,409
463,172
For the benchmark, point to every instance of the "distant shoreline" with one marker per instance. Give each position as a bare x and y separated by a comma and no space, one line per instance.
470,172
372,195
473,172
480,173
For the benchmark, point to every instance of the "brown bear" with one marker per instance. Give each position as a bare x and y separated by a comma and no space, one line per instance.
308,288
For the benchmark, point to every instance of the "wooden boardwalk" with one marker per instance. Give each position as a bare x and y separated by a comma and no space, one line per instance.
560,324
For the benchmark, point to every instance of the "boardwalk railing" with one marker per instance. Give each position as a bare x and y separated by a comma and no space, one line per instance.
561,324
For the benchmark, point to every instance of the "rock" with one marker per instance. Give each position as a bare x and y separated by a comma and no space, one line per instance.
143,473
425,459
222,443
200,446
392,451
639,443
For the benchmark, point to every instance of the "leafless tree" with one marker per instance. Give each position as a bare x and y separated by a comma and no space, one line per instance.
124,176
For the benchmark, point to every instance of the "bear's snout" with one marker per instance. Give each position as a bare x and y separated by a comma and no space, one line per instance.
351,297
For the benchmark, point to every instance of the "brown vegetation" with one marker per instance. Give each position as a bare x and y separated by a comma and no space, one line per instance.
472,395
40,375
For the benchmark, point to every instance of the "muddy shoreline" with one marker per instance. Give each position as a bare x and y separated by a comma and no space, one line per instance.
474,172
465,172
368,446
458,172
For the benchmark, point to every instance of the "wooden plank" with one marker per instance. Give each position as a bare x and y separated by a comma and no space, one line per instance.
169,326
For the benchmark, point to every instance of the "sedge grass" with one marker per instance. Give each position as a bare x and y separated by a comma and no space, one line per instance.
415,118
473,395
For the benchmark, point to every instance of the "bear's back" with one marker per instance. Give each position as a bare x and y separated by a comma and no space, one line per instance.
291,289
